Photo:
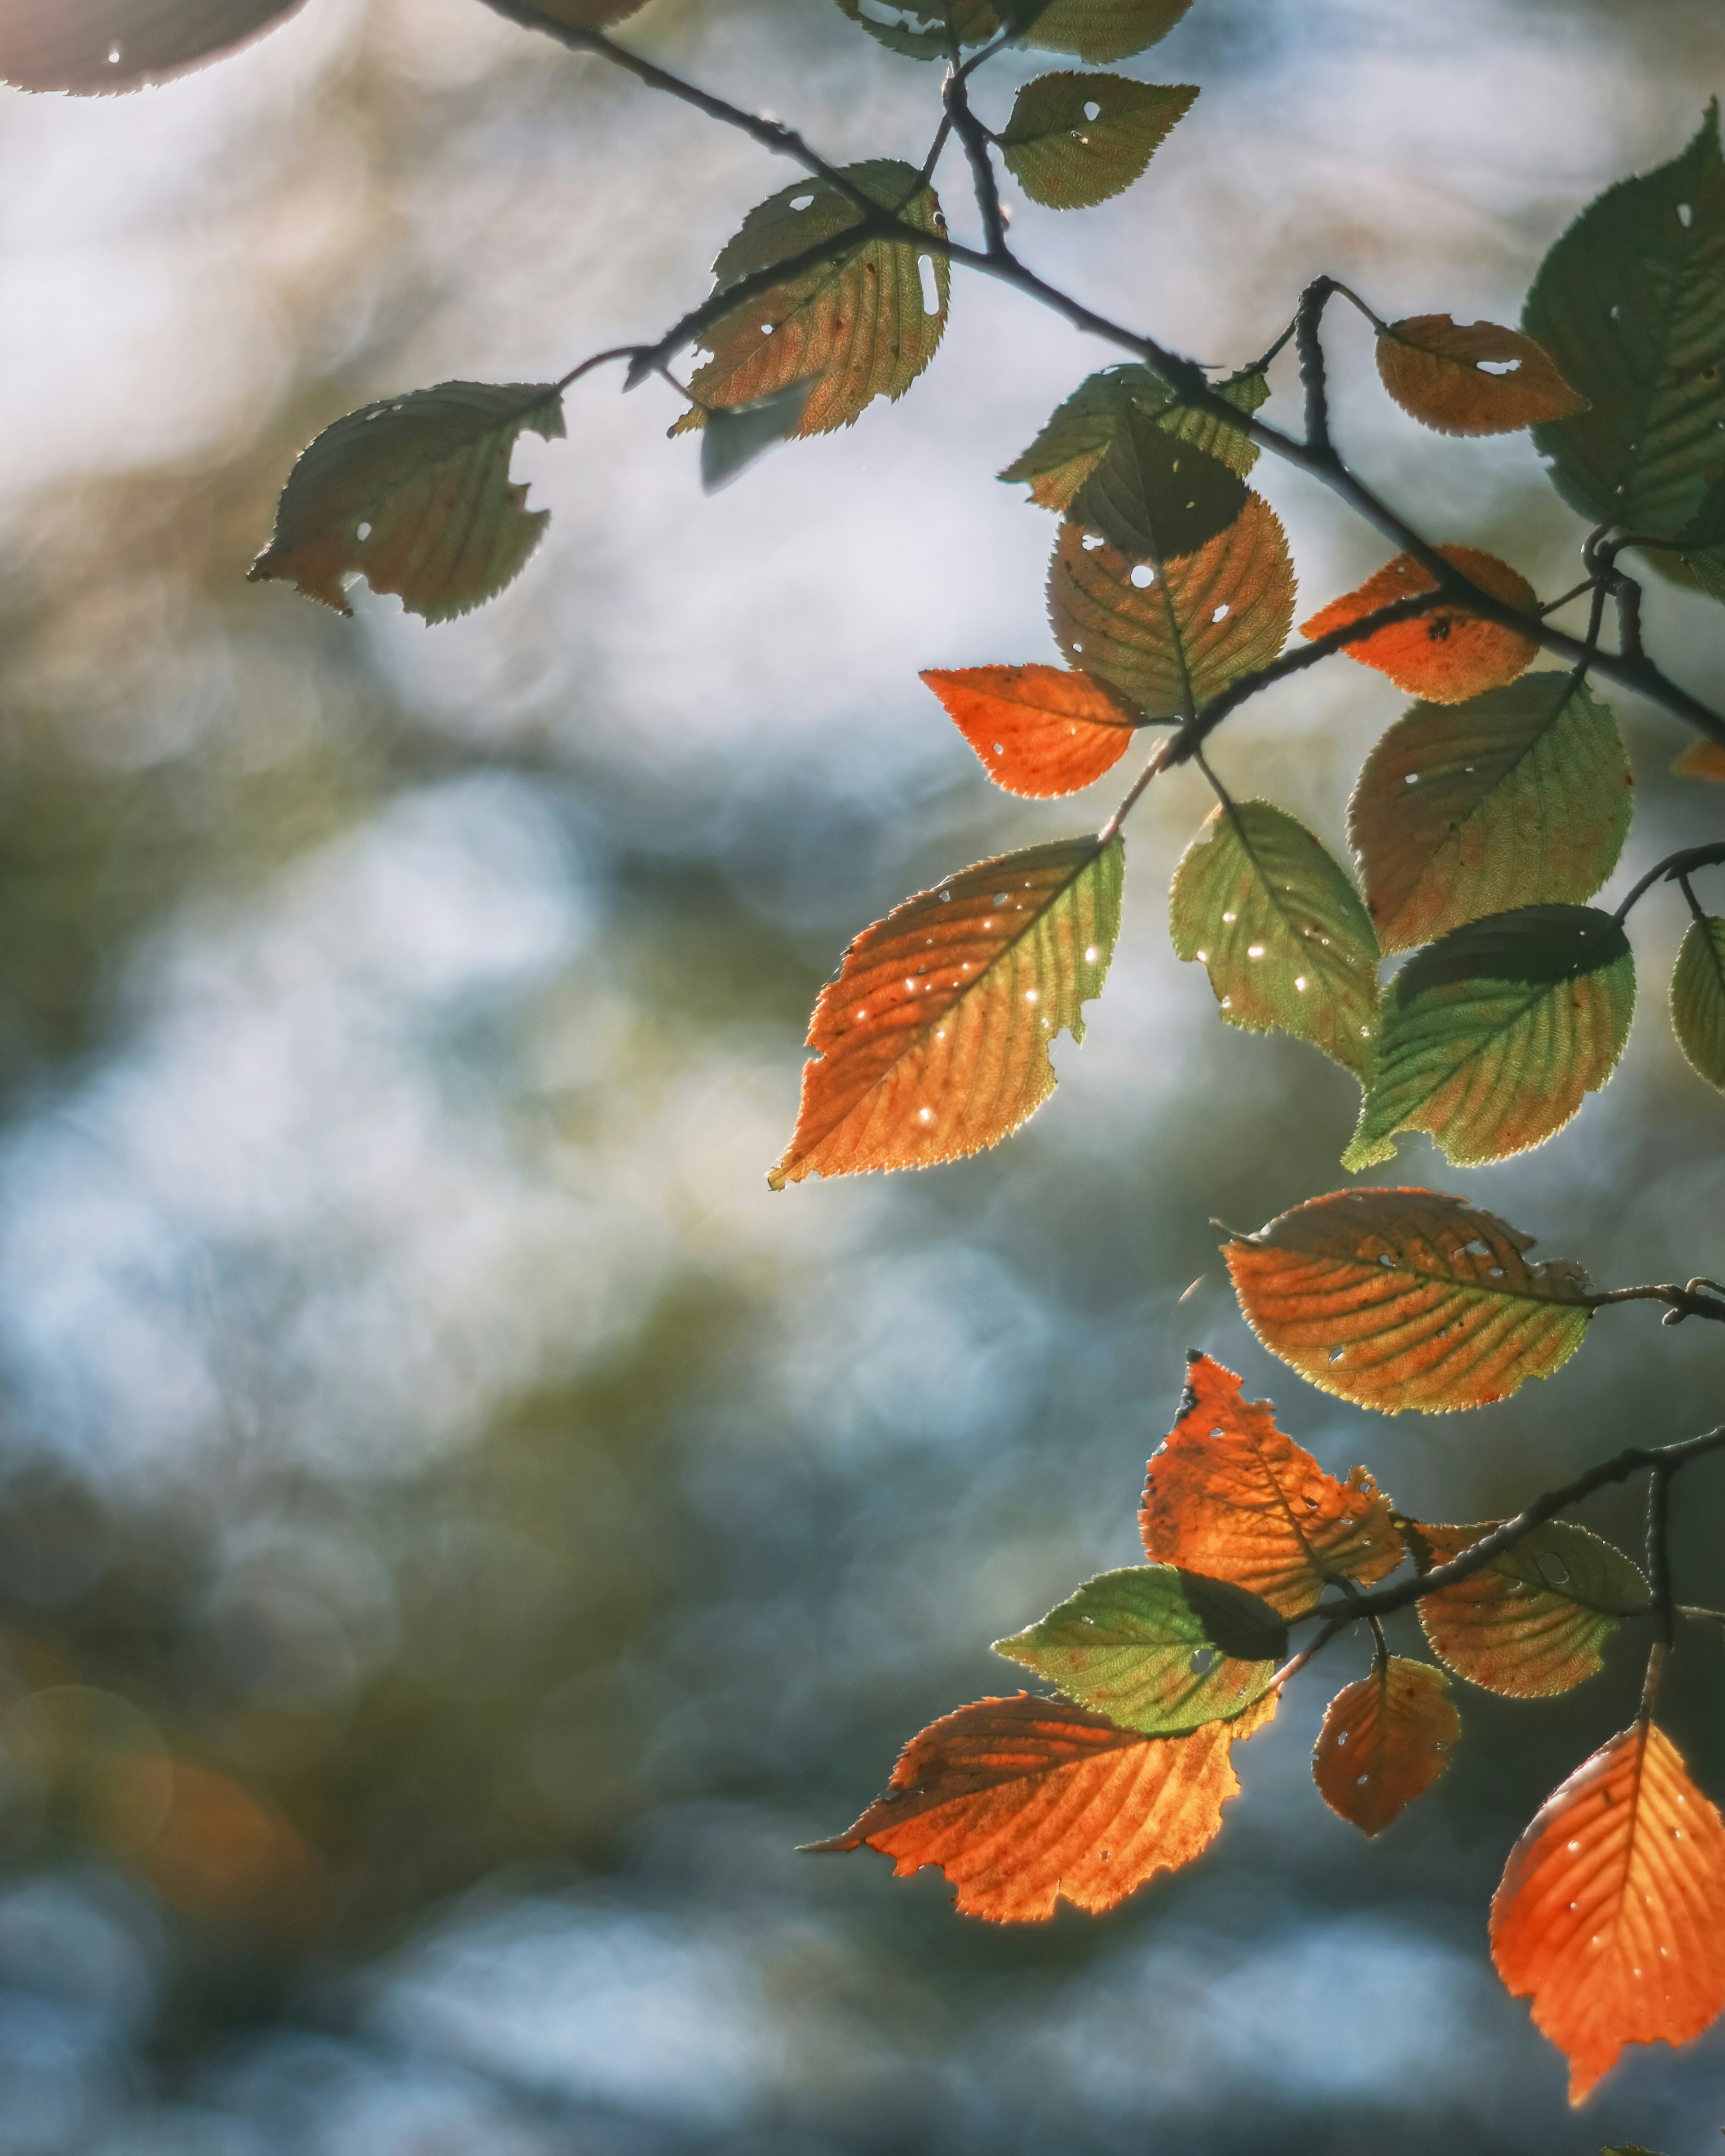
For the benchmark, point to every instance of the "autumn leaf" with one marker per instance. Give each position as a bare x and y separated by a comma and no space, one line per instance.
1282,931
1701,759
1175,635
1440,372
414,495
1698,999
1493,1038
1159,1650
1611,1911
1536,1619
857,328
1155,497
1227,1494
1039,731
933,1041
1078,433
1521,796
1384,1742
1397,1299
1074,140
1449,655
94,47
1023,1801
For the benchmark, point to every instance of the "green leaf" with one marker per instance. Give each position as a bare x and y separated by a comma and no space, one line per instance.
1156,1649
1157,498
735,435
1491,1038
855,328
1100,30
94,47
1630,304
1280,927
1080,431
1074,140
1521,796
924,30
1698,999
414,495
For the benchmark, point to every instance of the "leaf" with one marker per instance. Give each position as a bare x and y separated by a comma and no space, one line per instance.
1191,627
1397,1299
1611,1911
734,436
1280,927
1100,30
414,495
1449,655
1039,731
1227,1495
857,328
94,47
1522,797
1021,1801
1159,1650
1384,1742
933,1041
1078,433
1074,140
923,29
1537,1620
1701,759
1155,497
1437,370
1492,1038
1698,999
1630,304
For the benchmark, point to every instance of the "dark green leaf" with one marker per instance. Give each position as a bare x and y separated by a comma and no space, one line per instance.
1078,433
1156,497
93,48
1698,999
1074,140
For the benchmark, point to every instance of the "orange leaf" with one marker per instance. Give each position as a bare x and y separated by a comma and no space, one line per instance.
1020,1801
1611,1912
1040,730
1446,656
1432,366
1701,759
1384,1742
1229,1495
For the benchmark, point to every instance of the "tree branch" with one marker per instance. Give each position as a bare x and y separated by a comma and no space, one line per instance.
1675,867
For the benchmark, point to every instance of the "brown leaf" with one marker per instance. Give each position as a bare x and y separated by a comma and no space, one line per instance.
1436,369
1384,1742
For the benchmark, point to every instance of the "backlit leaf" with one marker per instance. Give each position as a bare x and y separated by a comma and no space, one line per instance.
1098,30
933,1041
1538,1618
1024,1801
94,47
1155,497
1227,1494
1280,927
1701,759
1699,998
414,494
1522,797
1449,655
1078,433
1437,369
1385,1741
1174,636
1039,731
1611,1911
735,434
858,327
923,29
1630,304
1397,1299
1159,1650
1492,1038
1074,140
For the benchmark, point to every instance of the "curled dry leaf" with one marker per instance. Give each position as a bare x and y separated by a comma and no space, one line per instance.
1446,656
1385,1741
1039,731
1698,999
1438,370
94,47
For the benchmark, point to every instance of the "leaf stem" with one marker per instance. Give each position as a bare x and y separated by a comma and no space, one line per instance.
1675,867
972,133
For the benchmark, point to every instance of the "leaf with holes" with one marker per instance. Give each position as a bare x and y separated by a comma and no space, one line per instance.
1611,1911
1074,140
1538,1618
1522,797
1701,759
1698,999
1173,637
1449,655
1280,929
1023,1801
1492,1038
1440,372
1397,1299
414,494
94,47
1079,433
1160,1650
1155,497
934,1040
1227,1495
862,325
1384,1742
1039,731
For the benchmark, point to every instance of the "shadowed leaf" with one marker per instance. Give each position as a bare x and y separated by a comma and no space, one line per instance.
1701,759
1039,731
1447,655
1074,140
1434,368
921,29
1384,1742
1698,999
1078,433
735,435
94,47
1611,1911
1397,1299
1156,497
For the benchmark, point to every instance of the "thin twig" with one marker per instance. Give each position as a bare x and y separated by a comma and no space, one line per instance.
1675,867
972,133
1308,324
1659,1553
1684,1301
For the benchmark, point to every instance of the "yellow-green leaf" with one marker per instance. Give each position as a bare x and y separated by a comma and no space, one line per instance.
1078,433
1100,30
1074,140
1699,998
93,48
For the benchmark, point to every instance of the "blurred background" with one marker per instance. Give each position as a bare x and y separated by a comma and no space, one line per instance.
458,1532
